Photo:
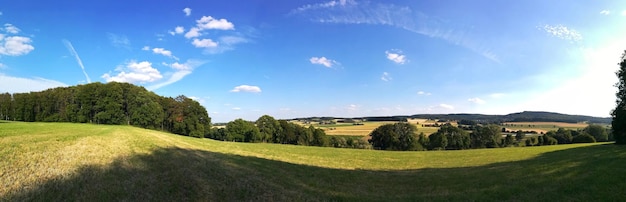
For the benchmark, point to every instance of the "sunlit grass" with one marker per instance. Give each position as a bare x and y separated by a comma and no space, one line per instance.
57,161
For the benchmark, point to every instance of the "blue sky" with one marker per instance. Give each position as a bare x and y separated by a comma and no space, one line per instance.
347,58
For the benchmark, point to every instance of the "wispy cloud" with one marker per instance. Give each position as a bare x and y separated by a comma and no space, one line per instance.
181,70
21,85
187,11
246,88
605,12
162,51
497,95
396,56
323,61
9,28
386,77
72,51
446,106
476,100
563,32
119,41
204,43
423,93
135,72
352,12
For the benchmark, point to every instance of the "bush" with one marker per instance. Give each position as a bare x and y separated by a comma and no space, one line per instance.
583,138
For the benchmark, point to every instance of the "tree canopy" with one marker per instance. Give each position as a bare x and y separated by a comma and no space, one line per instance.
111,103
619,113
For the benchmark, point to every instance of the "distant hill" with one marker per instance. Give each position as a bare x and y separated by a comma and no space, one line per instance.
526,116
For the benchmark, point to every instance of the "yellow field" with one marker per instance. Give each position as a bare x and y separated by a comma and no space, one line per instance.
542,127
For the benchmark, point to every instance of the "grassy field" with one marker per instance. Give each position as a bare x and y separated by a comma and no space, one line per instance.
69,162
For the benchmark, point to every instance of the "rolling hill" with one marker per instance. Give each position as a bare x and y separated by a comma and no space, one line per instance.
86,162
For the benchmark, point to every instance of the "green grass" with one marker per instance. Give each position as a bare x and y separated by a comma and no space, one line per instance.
69,162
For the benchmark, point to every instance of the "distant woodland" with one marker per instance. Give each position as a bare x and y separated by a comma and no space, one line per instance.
111,103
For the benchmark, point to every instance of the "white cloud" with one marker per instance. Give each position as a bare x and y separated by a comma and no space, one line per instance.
179,30
70,48
386,77
119,41
563,32
204,43
182,70
236,108
476,100
135,72
423,93
22,85
329,4
146,48
187,11
446,106
162,51
323,61
208,22
396,56
605,12
15,45
246,88
9,28
193,32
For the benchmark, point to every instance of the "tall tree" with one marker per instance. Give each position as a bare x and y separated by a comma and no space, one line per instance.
619,113
598,132
268,127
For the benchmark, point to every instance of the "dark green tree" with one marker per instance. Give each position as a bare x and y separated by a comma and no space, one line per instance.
455,138
486,136
400,136
268,127
619,113
598,132
584,137
240,130
519,135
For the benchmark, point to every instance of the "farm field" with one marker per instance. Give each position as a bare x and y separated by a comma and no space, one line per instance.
542,126
369,126
63,161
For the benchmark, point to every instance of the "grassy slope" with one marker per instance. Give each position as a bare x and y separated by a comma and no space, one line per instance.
57,161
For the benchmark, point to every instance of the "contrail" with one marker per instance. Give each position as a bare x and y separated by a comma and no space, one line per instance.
70,48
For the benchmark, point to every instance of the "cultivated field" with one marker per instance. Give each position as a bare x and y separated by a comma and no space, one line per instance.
69,162
542,126
349,129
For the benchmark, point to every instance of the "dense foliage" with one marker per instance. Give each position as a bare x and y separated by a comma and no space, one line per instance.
399,136
111,103
267,129
619,113
402,136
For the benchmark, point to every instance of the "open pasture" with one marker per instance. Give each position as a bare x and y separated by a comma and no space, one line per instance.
69,162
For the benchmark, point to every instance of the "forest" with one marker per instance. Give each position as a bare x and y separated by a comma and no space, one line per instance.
112,103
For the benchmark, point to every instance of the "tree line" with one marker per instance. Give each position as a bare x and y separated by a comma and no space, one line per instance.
269,130
404,137
112,103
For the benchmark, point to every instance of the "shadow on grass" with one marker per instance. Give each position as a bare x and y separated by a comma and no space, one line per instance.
172,174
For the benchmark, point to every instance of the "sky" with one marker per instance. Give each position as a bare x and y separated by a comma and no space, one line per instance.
343,58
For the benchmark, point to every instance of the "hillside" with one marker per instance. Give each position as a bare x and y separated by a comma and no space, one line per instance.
68,162
526,116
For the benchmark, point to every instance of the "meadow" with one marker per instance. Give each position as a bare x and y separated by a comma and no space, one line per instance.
68,162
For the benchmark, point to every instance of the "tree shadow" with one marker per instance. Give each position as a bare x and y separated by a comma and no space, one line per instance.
176,174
